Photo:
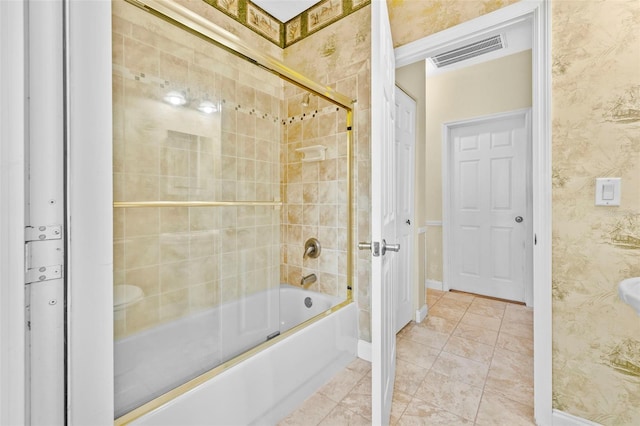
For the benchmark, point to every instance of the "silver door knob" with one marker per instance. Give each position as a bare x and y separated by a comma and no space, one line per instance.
519,219
389,247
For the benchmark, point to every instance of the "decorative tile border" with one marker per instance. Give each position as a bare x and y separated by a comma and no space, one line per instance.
284,34
293,30
325,12
263,23
229,6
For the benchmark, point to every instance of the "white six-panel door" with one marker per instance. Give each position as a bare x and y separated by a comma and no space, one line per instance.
405,134
383,214
488,205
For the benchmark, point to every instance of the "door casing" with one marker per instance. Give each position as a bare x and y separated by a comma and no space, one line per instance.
90,213
13,134
447,234
539,12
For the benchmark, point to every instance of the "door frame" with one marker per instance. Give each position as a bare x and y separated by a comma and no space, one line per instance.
13,139
447,234
89,184
540,14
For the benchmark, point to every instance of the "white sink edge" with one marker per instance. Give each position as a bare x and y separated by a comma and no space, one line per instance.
629,292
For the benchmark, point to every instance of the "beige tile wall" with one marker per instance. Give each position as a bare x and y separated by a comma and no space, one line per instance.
187,259
339,56
315,193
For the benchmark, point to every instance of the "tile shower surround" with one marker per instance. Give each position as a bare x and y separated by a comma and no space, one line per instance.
188,259
314,193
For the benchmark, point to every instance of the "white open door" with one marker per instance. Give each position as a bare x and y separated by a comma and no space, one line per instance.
489,217
383,215
405,134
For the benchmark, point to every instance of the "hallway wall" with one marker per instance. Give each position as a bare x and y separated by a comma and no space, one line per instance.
491,87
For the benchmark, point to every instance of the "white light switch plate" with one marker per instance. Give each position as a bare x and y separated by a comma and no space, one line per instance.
608,191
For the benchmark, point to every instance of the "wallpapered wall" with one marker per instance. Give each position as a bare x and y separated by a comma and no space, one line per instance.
412,20
596,133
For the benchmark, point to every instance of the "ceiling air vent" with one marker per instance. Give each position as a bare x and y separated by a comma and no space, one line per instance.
469,51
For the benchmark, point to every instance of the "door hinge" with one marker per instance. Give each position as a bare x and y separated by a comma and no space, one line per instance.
42,233
33,235
43,273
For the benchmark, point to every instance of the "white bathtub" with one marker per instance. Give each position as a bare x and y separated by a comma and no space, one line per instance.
262,389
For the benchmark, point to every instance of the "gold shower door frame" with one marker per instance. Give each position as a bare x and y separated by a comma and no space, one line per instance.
190,21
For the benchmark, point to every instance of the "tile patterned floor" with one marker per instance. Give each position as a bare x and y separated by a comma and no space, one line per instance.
469,363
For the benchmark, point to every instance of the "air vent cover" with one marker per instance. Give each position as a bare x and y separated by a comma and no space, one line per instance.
469,51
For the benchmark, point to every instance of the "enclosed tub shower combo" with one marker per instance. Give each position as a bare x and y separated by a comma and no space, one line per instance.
232,225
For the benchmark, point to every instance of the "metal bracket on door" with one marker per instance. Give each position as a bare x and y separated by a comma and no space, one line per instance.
374,247
33,235
43,273
42,233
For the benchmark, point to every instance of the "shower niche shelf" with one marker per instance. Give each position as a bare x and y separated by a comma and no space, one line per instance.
313,153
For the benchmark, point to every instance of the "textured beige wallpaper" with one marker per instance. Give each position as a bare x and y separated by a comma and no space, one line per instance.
414,19
596,133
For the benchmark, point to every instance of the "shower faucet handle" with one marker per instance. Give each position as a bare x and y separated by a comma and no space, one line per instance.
312,248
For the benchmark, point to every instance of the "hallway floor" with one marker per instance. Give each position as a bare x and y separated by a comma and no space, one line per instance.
469,363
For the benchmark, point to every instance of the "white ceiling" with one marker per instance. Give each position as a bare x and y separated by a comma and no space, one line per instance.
284,10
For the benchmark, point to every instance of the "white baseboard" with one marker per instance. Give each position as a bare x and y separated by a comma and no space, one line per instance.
421,313
560,418
436,285
364,350
433,223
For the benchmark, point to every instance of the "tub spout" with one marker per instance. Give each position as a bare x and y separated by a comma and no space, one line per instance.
307,280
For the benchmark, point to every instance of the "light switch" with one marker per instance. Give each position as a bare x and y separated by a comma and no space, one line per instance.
608,191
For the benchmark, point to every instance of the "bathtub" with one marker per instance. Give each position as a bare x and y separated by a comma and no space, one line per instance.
262,389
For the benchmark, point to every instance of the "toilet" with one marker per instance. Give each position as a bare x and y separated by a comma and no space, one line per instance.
126,295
